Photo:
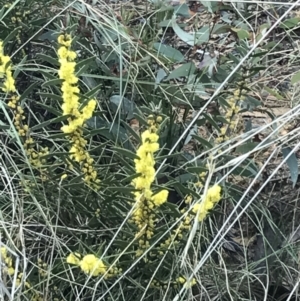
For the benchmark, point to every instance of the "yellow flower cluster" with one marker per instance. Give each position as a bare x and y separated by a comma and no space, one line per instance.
8,268
7,260
35,158
42,267
20,18
176,235
184,226
145,201
92,265
70,107
19,281
201,177
89,264
187,284
212,197
5,72
234,103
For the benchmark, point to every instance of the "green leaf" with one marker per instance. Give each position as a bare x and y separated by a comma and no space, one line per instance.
47,74
241,24
211,121
220,28
46,123
182,10
196,169
28,90
131,131
49,35
190,39
174,155
140,119
53,82
82,66
57,136
125,105
121,189
289,23
241,33
11,36
2,11
182,71
85,62
202,35
273,93
295,78
193,131
49,108
248,170
292,163
209,5
4,126
168,23
129,179
161,74
246,147
93,93
187,177
203,142
48,59
125,152
234,58
168,51
58,98
110,131
19,69
250,103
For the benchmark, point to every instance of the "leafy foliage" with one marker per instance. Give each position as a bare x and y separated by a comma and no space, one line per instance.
142,63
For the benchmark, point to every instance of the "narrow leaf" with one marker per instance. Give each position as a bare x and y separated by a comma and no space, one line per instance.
184,36
168,51
125,152
295,78
182,71
46,123
292,163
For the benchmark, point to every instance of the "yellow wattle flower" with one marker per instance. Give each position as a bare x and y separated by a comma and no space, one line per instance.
70,91
146,202
71,108
209,200
5,72
92,265
74,258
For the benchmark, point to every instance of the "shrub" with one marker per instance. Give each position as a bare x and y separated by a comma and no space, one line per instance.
111,189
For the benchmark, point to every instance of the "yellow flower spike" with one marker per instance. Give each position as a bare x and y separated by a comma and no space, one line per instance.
146,203
71,106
